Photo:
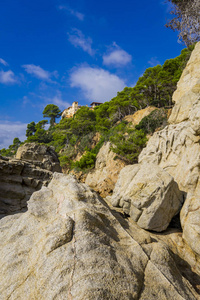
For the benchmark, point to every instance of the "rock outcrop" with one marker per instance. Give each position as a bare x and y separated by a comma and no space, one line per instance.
69,245
103,178
148,194
41,155
21,177
188,89
176,149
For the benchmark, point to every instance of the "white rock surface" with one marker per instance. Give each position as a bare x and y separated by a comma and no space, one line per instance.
176,148
70,246
148,194
188,89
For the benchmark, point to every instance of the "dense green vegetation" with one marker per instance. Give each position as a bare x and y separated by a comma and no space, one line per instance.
76,135
156,119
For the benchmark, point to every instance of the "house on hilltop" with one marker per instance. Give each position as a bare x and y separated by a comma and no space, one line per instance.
71,110
95,104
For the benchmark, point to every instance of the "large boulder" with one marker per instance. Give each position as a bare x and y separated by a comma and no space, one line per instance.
69,245
148,194
42,155
103,178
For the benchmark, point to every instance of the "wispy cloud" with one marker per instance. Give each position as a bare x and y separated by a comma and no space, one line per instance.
71,11
154,61
78,40
8,77
3,62
57,100
10,130
116,57
38,72
45,96
96,84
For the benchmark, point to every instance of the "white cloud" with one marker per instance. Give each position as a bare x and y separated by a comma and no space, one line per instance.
78,39
96,84
73,12
154,61
8,77
57,100
116,57
51,97
10,130
38,72
3,62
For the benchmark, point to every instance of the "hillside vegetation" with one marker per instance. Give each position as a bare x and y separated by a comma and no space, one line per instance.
77,135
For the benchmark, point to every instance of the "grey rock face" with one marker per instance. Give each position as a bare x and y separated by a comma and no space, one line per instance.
18,180
69,245
43,156
20,177
148,194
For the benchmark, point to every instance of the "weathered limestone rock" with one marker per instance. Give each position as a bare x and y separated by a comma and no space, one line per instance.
176,148
18,180
103,178
148,194
70,246
44,156
188,89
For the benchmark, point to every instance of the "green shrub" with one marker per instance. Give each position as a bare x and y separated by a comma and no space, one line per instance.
87,161
128,146
156,119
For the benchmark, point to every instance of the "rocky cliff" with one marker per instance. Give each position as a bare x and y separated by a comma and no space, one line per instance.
20,177
175,149
71,245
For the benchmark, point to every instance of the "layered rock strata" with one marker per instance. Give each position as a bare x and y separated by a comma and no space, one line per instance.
69,245
20,177
43,156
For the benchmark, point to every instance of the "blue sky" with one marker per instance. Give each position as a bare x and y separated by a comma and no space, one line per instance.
54,51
